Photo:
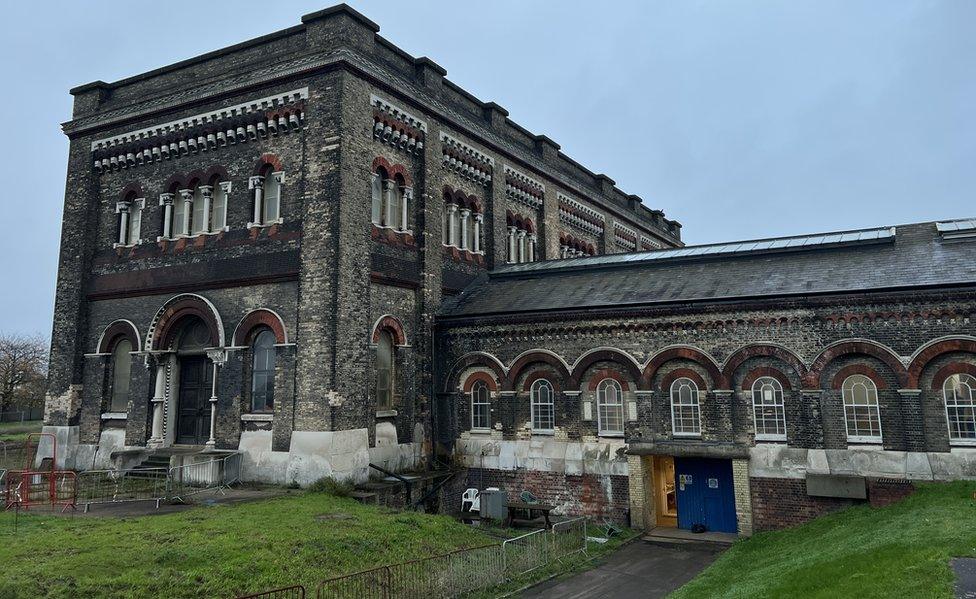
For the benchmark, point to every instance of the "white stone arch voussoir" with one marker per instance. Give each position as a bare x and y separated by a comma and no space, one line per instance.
150,334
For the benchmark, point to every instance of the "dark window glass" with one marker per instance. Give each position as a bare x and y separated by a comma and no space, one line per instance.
263,372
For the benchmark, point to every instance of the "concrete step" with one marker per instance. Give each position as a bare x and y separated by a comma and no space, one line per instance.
678,536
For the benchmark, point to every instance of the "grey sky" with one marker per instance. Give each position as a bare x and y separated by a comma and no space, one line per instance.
740,119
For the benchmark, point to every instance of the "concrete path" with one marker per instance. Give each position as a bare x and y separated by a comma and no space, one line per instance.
640,569
965,570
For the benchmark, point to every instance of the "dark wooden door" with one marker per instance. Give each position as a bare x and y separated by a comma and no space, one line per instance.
193,426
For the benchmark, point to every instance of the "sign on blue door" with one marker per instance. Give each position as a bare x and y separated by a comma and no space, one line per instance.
705,494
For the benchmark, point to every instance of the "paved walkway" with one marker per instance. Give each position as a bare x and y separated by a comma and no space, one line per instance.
640,569
965,570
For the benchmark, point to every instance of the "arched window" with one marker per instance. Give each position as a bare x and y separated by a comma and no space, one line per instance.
376,195
960,402
384,371
685,408
455,226
768,409
263,372
610,407
480,406
121,370
861,413
543,413
271,198
396,206
200,216
130,219
446,226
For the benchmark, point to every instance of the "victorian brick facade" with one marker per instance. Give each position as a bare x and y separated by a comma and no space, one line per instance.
316,250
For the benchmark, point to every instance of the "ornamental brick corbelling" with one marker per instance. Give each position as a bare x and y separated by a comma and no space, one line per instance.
396,127
465,160
522,188
578,215
209,131
624,237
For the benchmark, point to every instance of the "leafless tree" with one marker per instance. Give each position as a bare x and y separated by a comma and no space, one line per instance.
23,370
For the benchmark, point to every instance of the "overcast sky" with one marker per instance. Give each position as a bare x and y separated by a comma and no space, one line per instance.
739,119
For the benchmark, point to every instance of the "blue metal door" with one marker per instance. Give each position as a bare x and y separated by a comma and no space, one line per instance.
705,494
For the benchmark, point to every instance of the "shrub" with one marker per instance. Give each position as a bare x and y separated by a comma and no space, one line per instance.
332,486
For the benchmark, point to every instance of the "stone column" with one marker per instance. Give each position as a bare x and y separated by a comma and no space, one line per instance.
510,257
122,208
521,246
166,201
452,209
404,212
256,183
186,196
531,247
389,188
477,232
465,213
218,357
207,192
161,363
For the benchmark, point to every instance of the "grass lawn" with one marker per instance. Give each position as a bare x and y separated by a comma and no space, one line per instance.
215,551
16,432
902,550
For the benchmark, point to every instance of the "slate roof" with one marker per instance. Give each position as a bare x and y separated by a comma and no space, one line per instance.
887,258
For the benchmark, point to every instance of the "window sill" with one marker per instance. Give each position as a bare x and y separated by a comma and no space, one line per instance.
770,439
480,431
686,435
115,416
117,245
386,413
877,441
963,443
619,435
543,433
257,417
270,223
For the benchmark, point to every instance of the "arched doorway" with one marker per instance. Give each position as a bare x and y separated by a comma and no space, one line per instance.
195,382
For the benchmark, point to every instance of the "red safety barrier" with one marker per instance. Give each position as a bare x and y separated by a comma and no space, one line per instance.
40,486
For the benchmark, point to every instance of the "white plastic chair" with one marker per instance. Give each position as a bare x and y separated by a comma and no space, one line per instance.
471,501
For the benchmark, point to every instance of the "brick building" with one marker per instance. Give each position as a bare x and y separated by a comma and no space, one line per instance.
316,250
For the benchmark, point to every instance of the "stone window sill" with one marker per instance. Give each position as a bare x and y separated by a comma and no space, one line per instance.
115,416
962,443
480,431
770,439
386,413
544,433
270,223
257,417
612,435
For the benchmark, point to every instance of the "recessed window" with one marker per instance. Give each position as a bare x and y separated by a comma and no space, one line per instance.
610,407
480,406
959,391
130,220
768,409
542,408
121,371
267,198
861,413
685,408
263,372
384,371
391,200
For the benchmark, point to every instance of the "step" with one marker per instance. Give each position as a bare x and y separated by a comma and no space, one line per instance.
365,497
678,536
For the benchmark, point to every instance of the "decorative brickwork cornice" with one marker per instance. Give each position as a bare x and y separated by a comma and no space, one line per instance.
396,127
522,188
466,160
204,132
576,214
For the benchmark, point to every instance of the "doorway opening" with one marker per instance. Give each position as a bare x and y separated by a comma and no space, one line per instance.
665,495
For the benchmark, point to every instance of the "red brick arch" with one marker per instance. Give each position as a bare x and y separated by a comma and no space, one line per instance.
480,375
540,374
683,353
608,373
934,350
120,329
679,373
476,360
133,190
950,369
537,357
767,351
608,354
863,369
392,170
765,371
392,325
268,162
258,319
163,329
854,347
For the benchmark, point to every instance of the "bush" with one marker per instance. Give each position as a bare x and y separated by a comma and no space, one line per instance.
332,486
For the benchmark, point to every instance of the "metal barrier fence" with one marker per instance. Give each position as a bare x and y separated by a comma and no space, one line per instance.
25,488
116,486
193,478
461,572
293,592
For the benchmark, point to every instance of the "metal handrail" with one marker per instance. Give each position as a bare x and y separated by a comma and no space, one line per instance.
407,483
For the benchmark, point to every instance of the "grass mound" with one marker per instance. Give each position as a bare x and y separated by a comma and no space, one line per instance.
902,550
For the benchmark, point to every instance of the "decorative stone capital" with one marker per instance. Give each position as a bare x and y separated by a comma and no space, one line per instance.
121,207
206,191
217,356
255,181
186,195
479,217
166,199
279,176
465,212
225,186
452,207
